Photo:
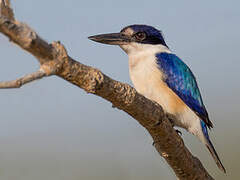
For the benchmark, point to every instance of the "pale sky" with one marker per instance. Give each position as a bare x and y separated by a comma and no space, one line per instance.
50,129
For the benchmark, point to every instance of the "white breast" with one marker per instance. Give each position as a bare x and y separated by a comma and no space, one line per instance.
144,73
148,80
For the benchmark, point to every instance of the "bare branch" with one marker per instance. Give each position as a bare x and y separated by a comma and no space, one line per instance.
6,10
54,60
23,80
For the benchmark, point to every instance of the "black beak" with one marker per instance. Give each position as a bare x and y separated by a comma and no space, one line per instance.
112,38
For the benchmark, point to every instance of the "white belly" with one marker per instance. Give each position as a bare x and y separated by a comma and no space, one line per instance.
148,81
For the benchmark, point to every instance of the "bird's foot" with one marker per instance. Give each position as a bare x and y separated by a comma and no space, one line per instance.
154,143
179,132
157,123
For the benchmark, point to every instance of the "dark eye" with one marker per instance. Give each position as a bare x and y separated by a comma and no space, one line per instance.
140,36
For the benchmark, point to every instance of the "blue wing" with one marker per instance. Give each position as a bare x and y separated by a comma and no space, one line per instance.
181,80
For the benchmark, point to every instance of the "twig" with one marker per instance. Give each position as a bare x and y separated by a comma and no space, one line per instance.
23,80
6,10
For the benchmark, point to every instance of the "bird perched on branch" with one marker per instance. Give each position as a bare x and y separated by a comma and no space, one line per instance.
163,77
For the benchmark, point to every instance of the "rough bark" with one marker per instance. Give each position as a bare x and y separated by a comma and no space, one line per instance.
54,60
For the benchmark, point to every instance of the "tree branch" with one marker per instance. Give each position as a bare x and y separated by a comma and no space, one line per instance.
23,80
54,60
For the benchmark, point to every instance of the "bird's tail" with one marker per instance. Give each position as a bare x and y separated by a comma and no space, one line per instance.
211,148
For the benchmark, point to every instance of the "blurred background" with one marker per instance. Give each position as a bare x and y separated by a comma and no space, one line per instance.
52,130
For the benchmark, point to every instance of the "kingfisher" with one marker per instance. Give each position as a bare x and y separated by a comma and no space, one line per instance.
163,77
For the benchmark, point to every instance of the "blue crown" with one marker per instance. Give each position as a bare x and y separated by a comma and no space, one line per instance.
154,36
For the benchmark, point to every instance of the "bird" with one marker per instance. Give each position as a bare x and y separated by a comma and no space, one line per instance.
161,76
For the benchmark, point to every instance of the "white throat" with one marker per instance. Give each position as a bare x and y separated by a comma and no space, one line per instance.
142,56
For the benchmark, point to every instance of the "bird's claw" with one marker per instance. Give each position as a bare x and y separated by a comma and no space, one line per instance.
153,143
179,132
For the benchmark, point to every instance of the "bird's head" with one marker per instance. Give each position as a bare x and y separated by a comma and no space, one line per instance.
132,38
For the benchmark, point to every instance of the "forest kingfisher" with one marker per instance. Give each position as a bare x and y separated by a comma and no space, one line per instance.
163,77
